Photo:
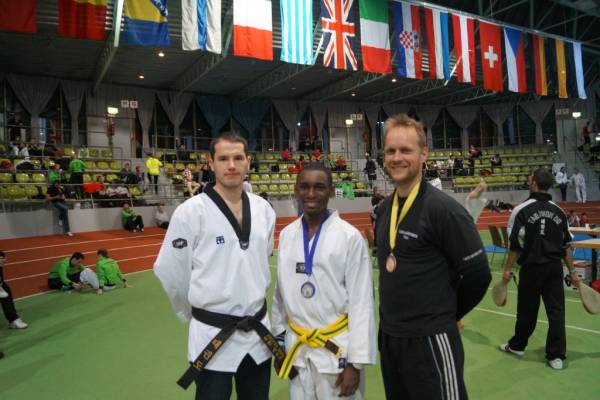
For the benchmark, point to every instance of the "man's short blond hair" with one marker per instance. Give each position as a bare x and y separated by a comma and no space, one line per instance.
404,121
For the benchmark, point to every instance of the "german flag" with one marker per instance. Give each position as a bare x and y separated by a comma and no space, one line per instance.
539,65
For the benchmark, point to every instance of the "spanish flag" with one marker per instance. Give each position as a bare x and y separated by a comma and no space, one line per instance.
82,19
146,23
539,64
561,68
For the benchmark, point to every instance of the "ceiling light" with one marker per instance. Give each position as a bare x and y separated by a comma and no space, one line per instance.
349,122
394,80
112,110
141,76
353,94
298,124
161,54
576,114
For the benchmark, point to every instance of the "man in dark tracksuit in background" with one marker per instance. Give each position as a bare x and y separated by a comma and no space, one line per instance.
539,238
433,271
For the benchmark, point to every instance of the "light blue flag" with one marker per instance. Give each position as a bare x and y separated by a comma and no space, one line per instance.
579,70
297,31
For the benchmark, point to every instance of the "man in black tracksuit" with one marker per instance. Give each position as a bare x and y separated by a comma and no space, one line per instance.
432,273
539,238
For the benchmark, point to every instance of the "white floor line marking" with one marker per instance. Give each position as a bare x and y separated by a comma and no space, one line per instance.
84,242
89,265
539,320
85,252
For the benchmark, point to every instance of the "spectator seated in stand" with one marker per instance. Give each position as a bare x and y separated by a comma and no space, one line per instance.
6,165
298,167
117,192
24,165
496,161
340,164
131,221
573,219
315,155
54,173
286,155
126,175
583,220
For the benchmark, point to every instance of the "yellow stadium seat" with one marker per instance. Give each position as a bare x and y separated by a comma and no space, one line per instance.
285,177
3,192
68,151
283,188
135,191
269,156
265,177
112,177
6,177
263,188
169,167
116,165
255,189
360,185
273,188
254,177
263,168
16,192
106,153
89,164
274,177
38,177
94,153
87,178
103,165
31,191
193,156
22,178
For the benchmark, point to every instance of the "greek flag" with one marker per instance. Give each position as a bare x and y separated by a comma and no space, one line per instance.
297,31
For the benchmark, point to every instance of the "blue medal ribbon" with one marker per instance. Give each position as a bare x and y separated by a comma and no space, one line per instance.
310,254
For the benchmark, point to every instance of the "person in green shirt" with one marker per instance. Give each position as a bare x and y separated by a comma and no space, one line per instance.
131,221
65,273
54,173
108,272
77,168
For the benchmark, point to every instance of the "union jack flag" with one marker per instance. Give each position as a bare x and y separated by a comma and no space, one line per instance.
338,20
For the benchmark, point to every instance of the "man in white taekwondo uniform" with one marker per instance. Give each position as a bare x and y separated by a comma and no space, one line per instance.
214,266
324,297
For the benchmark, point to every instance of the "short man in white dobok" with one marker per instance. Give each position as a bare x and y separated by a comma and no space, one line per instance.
214,266
324,297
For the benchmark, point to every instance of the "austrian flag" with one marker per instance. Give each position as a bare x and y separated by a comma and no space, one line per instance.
338,22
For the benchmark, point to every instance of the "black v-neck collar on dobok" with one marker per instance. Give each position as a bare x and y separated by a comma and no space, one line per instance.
243,232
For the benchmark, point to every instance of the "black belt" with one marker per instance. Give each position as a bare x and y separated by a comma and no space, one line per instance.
228,325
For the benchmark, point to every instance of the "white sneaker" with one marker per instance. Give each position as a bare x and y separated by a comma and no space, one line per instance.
17,324
69,234
557,363
506,348
60,222
3,293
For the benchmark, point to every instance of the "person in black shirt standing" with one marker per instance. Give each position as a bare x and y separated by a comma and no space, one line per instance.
539,239
433,271
56,195
371,170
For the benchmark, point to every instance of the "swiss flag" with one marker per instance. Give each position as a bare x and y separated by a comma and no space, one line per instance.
490,40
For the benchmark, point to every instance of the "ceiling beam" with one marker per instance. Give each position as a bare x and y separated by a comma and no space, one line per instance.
413,89
206,62
111,44
349,84
580,6
513,5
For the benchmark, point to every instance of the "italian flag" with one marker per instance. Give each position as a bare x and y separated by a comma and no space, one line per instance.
375,36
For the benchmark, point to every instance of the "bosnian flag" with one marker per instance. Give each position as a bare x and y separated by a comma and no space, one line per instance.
407,28
201,25
436,25
515,60
253,29
464,48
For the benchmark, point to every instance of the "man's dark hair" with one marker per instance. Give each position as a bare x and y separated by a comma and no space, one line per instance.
78,256
317,166
543,178
229,137
102,252
2,255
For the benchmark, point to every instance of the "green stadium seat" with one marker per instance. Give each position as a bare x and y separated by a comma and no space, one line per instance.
179,166
31,191
263,188
263,168
284,189
343,175
274,177
135,191
169,167
38,177
3,192
112,177
254,177
293,177
283,167
255,189
193,156
273,188
106,153
285,177
16,192
270,156
22,177
47,163
265,177
89,164
87,178
260,156
94,153
68,151
102,165
6,177
335,176
116,165
515,170
360,185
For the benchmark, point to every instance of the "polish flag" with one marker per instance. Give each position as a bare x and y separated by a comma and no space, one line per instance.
464,47
253,29
515,60
491,56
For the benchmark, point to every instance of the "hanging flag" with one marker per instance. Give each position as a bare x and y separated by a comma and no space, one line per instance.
436,25
579,70
561,68
464,48
297,31
539,65
515,60
82,19
146,23
407,28
491,56
17,16
375,36
252,29
338,21
201,25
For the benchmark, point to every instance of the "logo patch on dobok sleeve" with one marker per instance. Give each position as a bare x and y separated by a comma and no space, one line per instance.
179,243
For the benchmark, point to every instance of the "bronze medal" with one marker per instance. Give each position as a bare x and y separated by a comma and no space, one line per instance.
390,263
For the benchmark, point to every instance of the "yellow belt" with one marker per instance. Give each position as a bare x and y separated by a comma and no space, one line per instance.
313,338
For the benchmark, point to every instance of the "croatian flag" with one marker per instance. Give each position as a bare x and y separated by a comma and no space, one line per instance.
436,25
407,37
464,48
201,25
515,60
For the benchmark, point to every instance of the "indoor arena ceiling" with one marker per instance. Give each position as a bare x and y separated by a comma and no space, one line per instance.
47,54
